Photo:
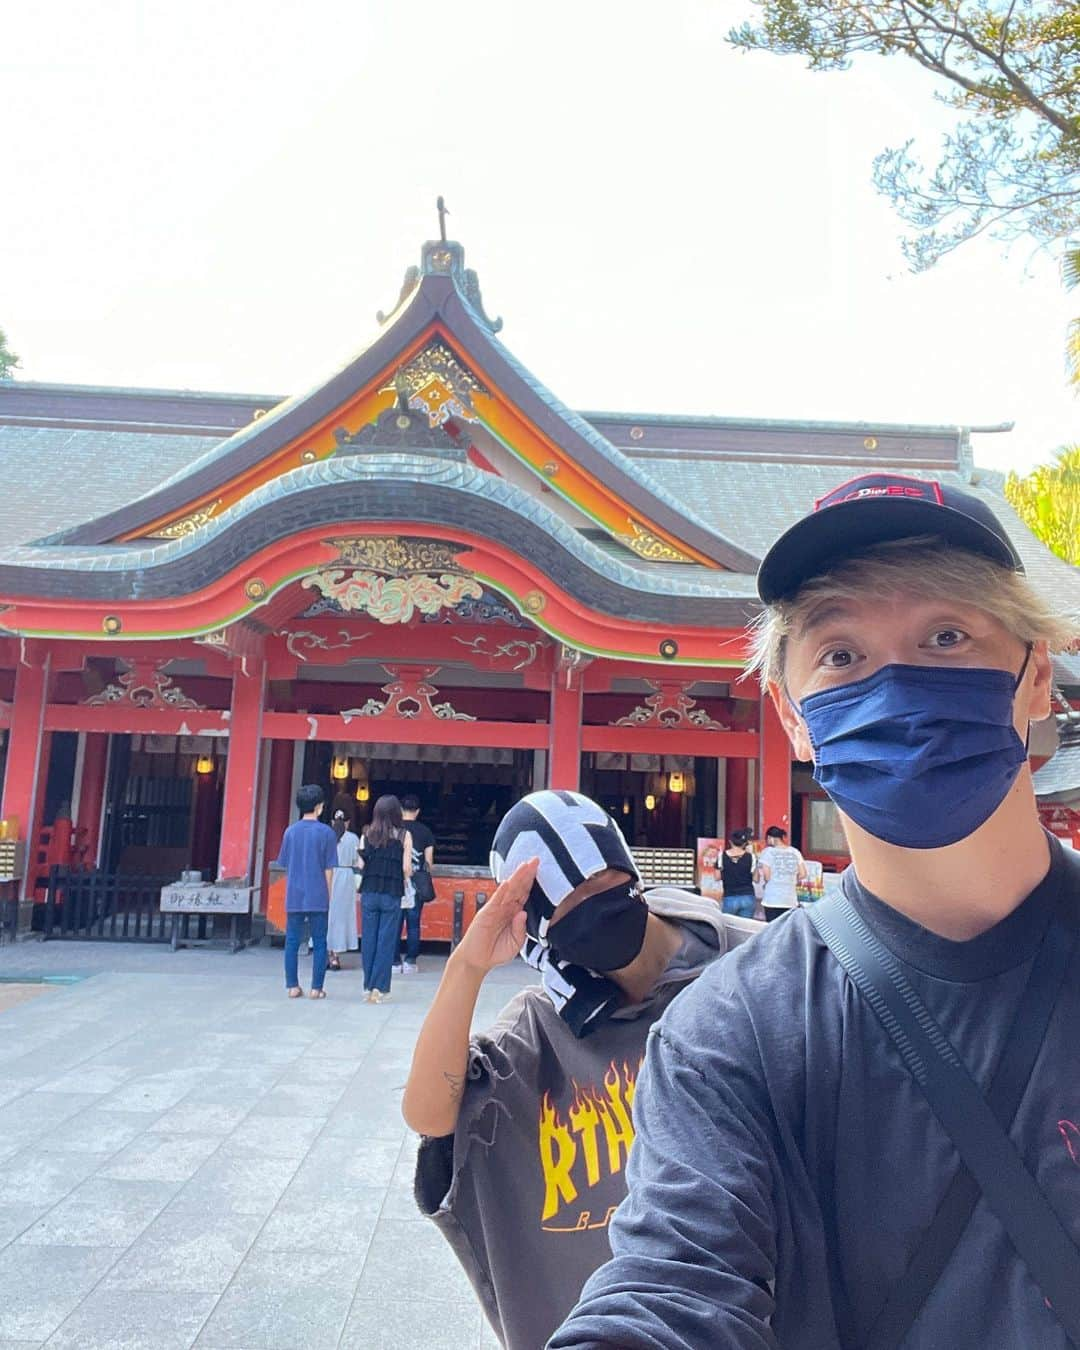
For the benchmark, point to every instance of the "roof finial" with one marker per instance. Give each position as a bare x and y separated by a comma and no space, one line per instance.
440,206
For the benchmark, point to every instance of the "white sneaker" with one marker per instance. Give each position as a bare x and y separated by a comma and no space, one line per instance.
408,967
396,967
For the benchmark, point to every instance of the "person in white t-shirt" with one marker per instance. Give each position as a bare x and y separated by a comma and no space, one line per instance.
781,868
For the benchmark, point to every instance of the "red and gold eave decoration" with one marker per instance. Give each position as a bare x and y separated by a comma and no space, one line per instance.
255,582
552,467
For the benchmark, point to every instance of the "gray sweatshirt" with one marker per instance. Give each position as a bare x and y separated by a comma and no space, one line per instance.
525,1187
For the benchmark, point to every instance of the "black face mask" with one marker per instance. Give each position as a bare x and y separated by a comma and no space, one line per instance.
605,932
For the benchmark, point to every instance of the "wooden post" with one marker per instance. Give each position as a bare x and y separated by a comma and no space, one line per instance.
564,736
92,791
279,806
775,773
242,771
22,785
738,778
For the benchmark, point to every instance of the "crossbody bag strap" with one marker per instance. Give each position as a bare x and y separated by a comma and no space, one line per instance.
985,1149
1025,1038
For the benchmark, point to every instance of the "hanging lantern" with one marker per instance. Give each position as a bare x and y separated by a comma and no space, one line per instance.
339,769
626,806
204,764
676,782
650,802
363,792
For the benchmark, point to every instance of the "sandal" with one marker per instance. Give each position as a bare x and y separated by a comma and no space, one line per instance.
317,993
333,964
295,992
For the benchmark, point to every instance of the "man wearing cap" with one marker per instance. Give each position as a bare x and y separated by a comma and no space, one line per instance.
526,1129
791,1184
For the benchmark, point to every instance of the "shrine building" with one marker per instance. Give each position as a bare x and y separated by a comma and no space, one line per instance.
426,575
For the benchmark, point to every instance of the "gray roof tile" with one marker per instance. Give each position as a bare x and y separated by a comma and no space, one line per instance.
56,477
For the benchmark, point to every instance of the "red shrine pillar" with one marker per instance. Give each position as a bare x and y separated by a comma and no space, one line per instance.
775,770
242,770
92,791
736,810
564,732
279,806
24,758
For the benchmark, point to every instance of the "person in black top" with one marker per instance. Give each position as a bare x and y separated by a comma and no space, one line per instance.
386,860
737,873
423,858
788,1165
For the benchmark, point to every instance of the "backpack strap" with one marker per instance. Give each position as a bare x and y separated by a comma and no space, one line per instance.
991,1164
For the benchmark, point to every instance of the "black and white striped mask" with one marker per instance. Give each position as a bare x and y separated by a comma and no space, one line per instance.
574,839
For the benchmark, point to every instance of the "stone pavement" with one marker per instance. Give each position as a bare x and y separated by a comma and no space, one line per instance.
188,1158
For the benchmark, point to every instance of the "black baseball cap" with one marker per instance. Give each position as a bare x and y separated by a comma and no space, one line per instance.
871,510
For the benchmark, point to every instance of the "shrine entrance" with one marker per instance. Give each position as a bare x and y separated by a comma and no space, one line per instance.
464,791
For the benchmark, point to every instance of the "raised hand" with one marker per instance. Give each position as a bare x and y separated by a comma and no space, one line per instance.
495,936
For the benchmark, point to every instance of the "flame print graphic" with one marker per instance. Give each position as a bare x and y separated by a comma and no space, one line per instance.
585,1144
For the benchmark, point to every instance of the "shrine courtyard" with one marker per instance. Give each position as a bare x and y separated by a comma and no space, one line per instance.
187,1158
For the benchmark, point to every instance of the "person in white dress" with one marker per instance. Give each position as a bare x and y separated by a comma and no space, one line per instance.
341,933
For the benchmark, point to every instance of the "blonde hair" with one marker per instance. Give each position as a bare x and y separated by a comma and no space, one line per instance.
921,567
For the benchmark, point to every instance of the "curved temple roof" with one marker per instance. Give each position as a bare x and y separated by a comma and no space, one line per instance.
380,487
445,296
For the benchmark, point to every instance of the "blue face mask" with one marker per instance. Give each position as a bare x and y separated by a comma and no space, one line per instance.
919,756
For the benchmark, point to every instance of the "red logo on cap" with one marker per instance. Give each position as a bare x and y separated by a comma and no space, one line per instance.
873,487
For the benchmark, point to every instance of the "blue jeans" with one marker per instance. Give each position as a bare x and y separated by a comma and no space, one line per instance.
381,919
742,905
409,948
294,933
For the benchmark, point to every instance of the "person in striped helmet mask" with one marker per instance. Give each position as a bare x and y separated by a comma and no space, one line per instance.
525,1129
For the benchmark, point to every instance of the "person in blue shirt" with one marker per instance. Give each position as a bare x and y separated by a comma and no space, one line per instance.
308,857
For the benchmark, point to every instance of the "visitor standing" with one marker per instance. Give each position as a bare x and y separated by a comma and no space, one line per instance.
342,935
528,1126
737,874
386,860
308,857
423,859
781,867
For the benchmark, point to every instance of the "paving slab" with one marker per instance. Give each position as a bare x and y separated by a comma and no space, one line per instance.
189,1158
110,1319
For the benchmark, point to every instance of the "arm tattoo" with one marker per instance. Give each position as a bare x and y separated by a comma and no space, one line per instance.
456,1083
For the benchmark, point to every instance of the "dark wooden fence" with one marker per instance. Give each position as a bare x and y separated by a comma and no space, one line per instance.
105,906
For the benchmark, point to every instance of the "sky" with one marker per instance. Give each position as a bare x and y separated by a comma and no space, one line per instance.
221,195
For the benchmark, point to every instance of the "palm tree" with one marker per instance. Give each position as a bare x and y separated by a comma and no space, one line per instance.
1047,500
1070,271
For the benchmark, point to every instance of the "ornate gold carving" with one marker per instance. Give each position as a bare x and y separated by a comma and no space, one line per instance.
637,433
145,685
393,599
302,640
111,624
395,556
870,443
535,601
670,706
308,457
410,694
517,653
180,529
440,386
653,549
255,588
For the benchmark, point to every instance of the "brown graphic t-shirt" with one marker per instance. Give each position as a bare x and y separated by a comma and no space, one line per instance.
526,1186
